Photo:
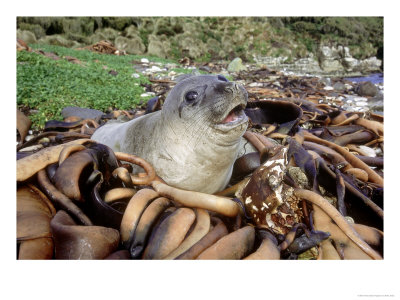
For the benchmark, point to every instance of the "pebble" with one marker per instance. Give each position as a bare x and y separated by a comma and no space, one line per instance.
85,113
348,86
368,150
256,84
328,88
172,73
326,81
360,99
154,69
361,109
378,151
171,66
277,83
44,140
32,148
144,60
29,137
135,75
349,219
148,94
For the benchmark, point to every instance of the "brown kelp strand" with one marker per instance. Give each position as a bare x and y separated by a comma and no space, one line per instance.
65,126
34,213
150,173
201,228
340,191
133,212
372,161
28,166
81,242
61,200
222,205
356,162
118,194
170,234
268,248
54,136
145,225
67,151
354,190
218,231
338,219
235,245
291,235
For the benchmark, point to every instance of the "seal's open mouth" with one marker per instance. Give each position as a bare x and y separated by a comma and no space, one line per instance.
234,115
234,118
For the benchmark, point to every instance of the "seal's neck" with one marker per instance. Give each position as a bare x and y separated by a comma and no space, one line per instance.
198,139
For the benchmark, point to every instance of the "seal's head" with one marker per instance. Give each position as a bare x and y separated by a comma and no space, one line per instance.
210,105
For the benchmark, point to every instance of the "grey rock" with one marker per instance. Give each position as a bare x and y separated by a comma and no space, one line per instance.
205,68
191,46
158,46
84,113
371,64
366,89
105,34
326,81
133,45
27,36
350,63
236,65
131,31
57,40
331,65
339,86
96,37
329,61
378,97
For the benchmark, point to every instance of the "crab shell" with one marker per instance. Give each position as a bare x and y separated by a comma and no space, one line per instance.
266,198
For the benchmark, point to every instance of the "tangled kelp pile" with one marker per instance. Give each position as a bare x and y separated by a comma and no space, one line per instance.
313,189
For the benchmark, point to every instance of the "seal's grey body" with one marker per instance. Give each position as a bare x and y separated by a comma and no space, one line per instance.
194,140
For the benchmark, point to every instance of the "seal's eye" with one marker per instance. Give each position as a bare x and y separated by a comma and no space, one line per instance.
191,96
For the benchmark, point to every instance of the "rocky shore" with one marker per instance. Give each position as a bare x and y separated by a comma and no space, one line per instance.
318,46
330,61
352,95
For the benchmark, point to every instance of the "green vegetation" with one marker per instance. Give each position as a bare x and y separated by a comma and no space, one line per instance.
48,85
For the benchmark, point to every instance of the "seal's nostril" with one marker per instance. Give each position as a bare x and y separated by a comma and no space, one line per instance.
232,87
229,89
222,78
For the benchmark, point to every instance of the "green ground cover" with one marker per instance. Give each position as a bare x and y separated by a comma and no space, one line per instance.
49,85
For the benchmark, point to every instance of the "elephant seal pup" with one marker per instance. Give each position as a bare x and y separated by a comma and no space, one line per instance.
194,140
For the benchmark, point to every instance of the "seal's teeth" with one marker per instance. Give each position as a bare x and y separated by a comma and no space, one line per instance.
230,118
233,115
